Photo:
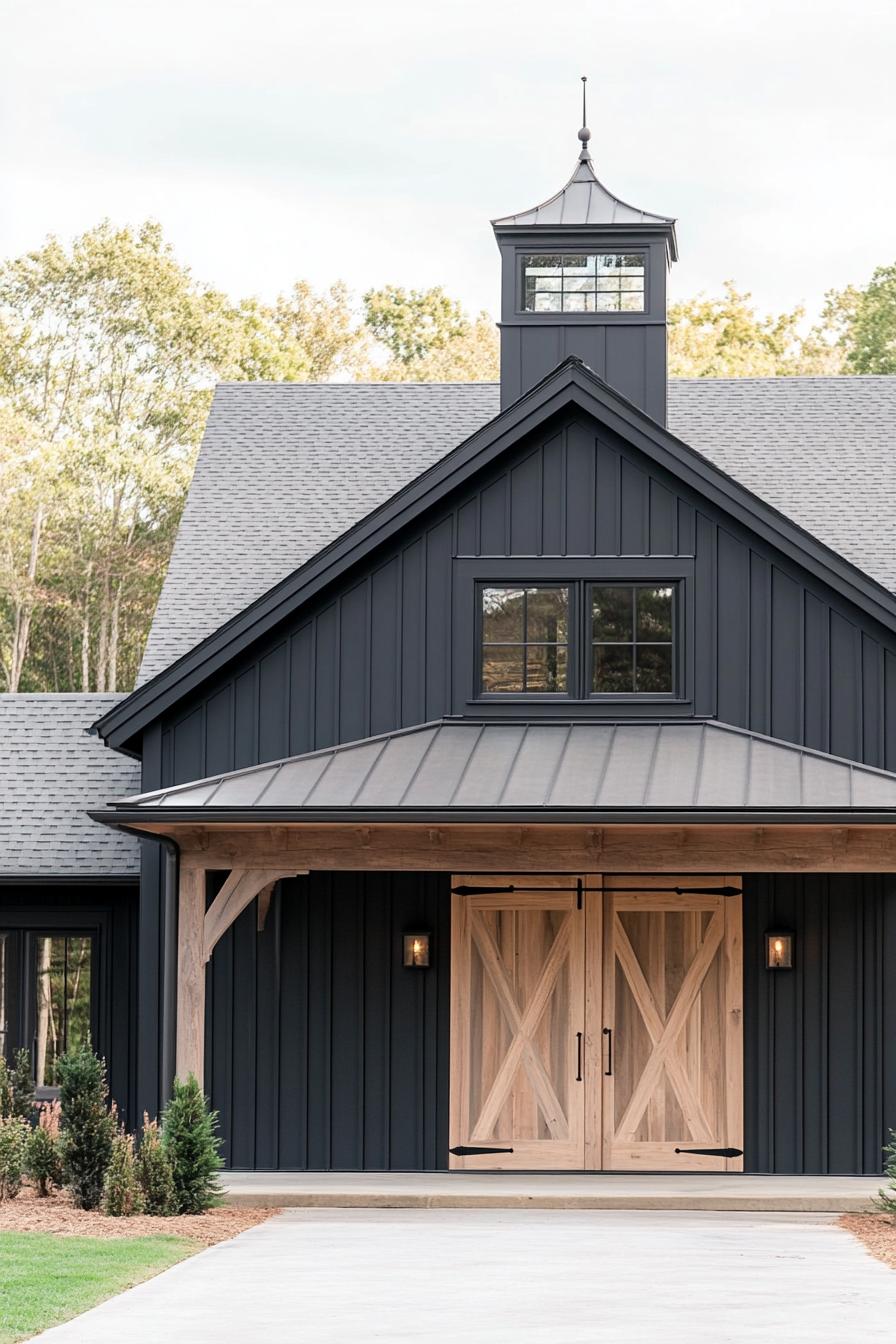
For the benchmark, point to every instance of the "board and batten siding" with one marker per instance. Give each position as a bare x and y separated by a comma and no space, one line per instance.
324,1052
775,650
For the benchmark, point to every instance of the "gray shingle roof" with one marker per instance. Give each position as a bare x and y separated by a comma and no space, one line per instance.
452,766
286,468
51,771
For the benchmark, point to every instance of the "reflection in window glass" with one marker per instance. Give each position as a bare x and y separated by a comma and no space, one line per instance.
525,637
632,640
605,282
62,977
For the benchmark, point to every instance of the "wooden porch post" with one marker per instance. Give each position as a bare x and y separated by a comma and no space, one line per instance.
191,974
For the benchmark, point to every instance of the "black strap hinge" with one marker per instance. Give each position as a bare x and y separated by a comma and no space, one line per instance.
712,1152
462,1151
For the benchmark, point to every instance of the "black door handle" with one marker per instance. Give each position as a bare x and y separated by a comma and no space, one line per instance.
578,1056
608,1032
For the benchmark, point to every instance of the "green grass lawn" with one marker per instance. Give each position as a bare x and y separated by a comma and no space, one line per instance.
45,1279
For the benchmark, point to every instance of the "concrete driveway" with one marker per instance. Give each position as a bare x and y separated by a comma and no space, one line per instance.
510,1277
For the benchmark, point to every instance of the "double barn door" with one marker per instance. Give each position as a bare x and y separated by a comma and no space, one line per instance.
596,1023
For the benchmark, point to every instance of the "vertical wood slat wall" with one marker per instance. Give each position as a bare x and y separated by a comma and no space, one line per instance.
820,1064
325,1053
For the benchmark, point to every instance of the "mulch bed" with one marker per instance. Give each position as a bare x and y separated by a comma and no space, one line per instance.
29,1213
876,1232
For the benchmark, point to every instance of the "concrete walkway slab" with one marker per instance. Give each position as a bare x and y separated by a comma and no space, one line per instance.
512,1277
555,1190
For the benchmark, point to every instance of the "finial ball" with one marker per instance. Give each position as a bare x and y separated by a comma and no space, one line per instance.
584,135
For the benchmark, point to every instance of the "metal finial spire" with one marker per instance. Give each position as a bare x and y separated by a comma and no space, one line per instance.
584,133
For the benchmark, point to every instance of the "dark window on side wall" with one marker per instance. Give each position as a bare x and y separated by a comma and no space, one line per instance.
566,282
632,639
5,996
525,640
63,969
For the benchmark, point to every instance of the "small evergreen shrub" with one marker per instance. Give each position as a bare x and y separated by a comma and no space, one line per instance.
43,1155
13,1140
189,1139
22,1080
6,1100
154,1172
88,1126
886,1199
17,1087
122,1196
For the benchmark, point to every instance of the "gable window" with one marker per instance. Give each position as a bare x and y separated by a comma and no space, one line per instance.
62,979
567,282
525,640
632,639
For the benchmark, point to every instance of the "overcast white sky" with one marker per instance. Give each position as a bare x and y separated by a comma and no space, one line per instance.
372,141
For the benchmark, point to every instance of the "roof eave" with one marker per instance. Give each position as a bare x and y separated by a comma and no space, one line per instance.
663,227
132,818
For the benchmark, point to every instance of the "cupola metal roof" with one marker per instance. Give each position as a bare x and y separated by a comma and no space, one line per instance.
586,202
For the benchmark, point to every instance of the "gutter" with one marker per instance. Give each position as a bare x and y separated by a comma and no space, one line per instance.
130,819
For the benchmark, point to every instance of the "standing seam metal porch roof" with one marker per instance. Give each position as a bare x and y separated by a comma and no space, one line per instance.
454,766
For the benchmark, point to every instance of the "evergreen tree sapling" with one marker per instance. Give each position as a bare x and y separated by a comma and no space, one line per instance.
122,1195
886,1199
43,1157
154,1172
13,1140
22,1082
88,1127
189,1139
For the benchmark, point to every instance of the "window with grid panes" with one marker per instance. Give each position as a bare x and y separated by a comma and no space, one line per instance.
524,640
566,282
632,639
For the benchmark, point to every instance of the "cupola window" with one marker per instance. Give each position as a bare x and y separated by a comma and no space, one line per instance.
567,282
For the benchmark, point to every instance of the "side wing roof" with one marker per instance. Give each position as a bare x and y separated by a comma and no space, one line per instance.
52,769
571,384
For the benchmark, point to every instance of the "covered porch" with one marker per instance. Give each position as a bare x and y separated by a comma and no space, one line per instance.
564,833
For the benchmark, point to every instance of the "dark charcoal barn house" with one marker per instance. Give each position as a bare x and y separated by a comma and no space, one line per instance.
511,779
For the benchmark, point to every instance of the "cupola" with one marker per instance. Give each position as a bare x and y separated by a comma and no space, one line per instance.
584,274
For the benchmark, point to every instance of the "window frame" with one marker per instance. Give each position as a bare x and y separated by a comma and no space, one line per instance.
49,1091
634,643
601,314
573,617
472,573
22,928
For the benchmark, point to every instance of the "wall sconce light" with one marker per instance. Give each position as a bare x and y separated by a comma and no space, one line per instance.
416,949
779,951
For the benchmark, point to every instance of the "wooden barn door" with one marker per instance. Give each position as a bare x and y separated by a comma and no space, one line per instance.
517,1023
672,1025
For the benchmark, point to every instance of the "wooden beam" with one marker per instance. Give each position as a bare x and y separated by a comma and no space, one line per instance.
543,848
264,905
190,974
241,887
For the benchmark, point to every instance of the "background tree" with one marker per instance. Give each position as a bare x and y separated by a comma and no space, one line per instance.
304,336
864,321
429,337
725,337
109,350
